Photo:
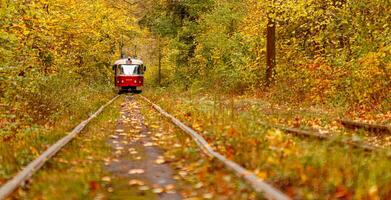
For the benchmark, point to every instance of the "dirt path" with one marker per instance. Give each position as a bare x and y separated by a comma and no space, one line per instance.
137,158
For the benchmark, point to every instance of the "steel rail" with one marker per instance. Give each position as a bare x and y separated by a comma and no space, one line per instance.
36,164
349,123
318,135
366,126
259,185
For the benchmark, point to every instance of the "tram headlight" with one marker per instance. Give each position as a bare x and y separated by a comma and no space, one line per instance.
135,81
122,81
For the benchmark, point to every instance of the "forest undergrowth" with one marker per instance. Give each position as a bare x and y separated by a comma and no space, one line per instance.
55,67
303,168
332,54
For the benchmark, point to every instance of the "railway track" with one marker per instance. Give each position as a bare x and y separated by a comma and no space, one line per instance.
36,164
257,183
260,186
320,136
376,128
346,123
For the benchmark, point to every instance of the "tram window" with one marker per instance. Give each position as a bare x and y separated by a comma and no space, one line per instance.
127,69
138,70
130,70
117,70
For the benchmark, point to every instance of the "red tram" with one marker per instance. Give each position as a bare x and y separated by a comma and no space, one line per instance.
128,74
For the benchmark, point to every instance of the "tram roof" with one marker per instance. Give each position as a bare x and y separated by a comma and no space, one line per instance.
124,61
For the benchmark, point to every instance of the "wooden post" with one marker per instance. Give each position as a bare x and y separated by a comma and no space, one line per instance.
270,51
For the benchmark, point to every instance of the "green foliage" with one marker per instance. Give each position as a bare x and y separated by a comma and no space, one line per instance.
54,52
55,68
321,47
373,74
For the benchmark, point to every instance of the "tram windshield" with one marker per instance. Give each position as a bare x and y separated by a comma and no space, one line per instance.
130,70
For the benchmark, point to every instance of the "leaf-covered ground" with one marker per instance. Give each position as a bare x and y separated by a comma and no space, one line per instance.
197,175
22,139
120,155
76,172
304,168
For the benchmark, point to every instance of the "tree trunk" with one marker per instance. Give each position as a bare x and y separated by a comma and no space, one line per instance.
270,52
121,47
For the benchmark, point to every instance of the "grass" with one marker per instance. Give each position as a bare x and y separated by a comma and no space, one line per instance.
37,121
197,175
77,172
73,173
303,168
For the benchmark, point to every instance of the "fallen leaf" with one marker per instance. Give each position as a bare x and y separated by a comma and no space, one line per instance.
373,192
342,191
208,196
143,188
262,175
169,187
148,144
183,173
133,152
136,171
114,136
158,135
94,185
154,126
160,160
198,185
106,179
157,190
136,182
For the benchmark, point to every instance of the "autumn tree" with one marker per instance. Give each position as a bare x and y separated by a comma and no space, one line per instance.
270,45
50,47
